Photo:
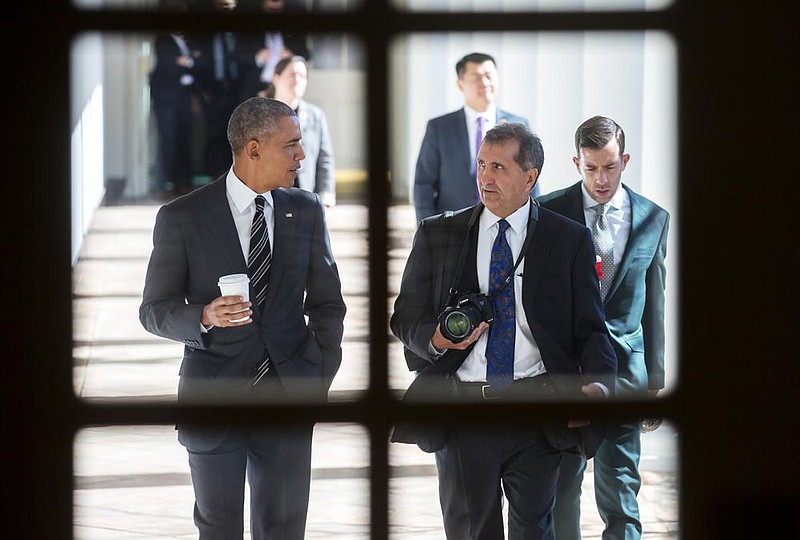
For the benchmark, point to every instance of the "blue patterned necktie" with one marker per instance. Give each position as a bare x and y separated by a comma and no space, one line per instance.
500,347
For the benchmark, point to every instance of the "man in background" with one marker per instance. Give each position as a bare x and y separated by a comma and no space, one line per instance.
630,236
219,81
172,87
258,54
446,172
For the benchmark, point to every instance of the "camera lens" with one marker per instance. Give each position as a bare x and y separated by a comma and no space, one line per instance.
457,325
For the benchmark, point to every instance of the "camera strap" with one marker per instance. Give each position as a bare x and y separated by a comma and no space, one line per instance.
463,255
533,219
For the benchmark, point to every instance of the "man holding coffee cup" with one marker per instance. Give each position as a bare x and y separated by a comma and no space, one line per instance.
280,336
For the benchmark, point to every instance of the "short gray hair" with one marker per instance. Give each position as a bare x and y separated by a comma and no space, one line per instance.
530,154
257,118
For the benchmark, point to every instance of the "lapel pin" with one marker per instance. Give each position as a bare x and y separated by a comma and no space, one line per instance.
289,214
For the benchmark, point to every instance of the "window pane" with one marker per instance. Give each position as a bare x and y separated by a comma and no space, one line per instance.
555,80
220,5
133,482
119,182
414,510
527,5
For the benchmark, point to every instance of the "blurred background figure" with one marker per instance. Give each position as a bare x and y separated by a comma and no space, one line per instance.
446,173
172,83
317,170
219,85
260,53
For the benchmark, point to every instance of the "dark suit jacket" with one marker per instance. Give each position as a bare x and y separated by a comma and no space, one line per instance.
206,65
195,242
634,305
560,295
444,178
166,89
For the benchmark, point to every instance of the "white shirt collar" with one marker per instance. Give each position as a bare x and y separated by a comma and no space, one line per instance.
518,221
472,114
618,201
241,195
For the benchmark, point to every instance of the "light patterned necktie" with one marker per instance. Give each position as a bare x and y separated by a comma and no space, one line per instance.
604,247
502,334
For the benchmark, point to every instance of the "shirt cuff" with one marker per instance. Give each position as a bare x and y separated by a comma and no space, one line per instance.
433,352
602,387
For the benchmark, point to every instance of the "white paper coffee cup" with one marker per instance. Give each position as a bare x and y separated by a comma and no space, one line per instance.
235,285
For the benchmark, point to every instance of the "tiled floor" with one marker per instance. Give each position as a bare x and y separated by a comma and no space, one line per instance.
133,482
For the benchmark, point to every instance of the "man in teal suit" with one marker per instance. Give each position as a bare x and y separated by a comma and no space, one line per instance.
630,235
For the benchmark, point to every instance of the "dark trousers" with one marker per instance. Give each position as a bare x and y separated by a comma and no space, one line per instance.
616,484
474,464
175,121
220,101
277,462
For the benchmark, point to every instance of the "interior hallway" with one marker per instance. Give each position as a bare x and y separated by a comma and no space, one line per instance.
133,482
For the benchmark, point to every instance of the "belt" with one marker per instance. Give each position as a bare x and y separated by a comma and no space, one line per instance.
527,388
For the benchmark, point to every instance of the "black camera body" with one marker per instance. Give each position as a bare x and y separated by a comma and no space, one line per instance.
457,322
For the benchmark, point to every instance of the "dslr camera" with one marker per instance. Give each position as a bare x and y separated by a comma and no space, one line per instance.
457,322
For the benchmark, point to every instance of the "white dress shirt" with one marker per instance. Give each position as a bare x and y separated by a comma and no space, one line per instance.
186,79
489,121
242,202
618,218
274,42
243,207
527,357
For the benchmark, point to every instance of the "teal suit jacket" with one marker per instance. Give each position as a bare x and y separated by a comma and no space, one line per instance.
634,305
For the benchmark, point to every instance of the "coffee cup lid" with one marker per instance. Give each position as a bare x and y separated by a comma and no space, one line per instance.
233,278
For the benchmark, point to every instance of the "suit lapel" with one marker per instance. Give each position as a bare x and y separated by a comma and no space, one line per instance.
463,144
218,217
285,217
501,117
535,259
639,211
574,210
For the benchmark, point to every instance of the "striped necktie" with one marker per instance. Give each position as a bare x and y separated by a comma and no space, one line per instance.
258,263
260,258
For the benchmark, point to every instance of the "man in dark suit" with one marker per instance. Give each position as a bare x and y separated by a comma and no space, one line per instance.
258,54
218,82
172,83
285,341
547,340
632,286
445,176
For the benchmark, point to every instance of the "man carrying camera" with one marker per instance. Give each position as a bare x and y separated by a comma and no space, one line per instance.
501,302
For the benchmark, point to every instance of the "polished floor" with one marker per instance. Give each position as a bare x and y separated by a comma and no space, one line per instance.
132,482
